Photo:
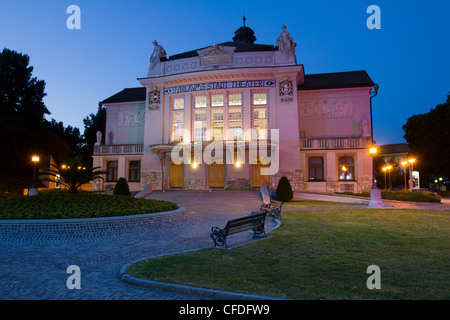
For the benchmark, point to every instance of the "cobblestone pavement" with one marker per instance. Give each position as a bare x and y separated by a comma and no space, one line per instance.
38,271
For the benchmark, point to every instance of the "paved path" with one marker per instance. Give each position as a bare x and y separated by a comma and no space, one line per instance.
35,271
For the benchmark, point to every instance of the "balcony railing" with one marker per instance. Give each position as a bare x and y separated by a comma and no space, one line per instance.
335,143
100,150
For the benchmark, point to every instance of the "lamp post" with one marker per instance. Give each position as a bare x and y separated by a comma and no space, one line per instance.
373,151
34,190
385,185
389,168
411,161
375,193
404,163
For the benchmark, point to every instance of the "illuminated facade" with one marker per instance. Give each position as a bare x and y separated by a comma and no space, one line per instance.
244,107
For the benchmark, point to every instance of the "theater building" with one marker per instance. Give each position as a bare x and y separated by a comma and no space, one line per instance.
238,114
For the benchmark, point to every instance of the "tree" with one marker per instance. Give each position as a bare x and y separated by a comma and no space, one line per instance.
74,173
428,136
22,112
92,124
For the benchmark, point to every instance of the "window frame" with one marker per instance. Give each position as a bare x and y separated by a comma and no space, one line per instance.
136,170
112,172
316,166
350,168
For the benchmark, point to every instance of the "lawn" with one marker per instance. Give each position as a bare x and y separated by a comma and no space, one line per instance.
324,254
63,205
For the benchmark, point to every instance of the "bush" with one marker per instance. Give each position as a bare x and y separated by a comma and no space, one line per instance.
284,190
64,205
414,196
121,188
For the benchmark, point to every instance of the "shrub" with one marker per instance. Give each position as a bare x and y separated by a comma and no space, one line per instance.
284,190
60,204
121,188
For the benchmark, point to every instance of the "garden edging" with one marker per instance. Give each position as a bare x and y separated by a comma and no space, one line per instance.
64,230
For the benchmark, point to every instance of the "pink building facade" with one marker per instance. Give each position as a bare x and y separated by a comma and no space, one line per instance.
233,115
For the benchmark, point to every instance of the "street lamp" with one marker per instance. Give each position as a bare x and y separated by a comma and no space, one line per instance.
404,163
384,169
372,152
33,190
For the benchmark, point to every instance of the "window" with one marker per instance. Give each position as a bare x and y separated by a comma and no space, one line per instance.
235,123
177,120
346,168
199,125
260,123
315,165
217,100
259,99
260,116
217,124
235,99
111,168
177,103
199,102
134,172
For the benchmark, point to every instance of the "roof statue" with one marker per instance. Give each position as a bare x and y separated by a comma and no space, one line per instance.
286,43
158,53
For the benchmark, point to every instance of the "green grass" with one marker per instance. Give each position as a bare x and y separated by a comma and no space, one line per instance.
63,205
324,254
311,203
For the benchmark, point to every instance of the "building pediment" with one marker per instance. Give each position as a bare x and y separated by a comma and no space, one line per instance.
216,56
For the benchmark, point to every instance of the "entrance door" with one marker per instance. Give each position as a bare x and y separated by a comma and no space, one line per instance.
258,178
176,175
217,176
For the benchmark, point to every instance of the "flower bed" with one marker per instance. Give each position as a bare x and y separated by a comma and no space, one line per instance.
63,205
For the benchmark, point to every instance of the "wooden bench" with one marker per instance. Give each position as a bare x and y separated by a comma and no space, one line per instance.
253,222
273,209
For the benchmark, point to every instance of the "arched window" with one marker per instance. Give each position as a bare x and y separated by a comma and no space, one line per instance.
346,168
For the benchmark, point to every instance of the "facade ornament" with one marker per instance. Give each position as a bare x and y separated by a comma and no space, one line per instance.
286,43
154,97
158,53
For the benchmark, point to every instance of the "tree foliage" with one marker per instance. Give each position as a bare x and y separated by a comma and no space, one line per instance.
23,131
428,136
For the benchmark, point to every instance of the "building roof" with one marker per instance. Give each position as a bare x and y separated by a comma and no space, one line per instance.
349,79
397,148
127,95
240,47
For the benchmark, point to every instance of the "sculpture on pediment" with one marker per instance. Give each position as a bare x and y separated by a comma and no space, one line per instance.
157,54
286,43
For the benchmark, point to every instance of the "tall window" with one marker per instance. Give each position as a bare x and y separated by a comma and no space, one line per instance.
134,172
177,119
217,124
235,123
260,115
199,125
111,168
315,165
346,168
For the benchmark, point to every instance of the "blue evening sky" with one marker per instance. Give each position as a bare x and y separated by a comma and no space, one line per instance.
408,57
